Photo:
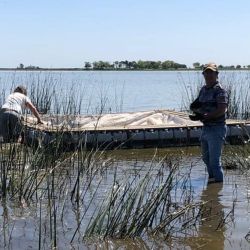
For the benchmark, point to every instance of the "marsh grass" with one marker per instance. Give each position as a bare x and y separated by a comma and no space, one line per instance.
147,202
154,202
158,199
237,157
91,191
55,93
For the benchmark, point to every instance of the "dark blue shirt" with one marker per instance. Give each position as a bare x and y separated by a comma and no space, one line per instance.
210,98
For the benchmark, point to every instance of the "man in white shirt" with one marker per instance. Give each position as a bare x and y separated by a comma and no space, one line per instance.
10,114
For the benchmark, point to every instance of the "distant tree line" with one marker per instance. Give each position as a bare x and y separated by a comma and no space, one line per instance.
133,65
197,65
21,66
150,65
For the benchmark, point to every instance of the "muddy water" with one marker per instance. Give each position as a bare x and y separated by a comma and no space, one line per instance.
226,227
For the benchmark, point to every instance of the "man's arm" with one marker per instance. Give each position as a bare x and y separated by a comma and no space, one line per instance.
34,111
221,110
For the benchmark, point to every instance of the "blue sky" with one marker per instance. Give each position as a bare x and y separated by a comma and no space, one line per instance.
66,33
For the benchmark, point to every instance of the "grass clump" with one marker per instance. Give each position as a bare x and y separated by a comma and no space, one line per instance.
155,202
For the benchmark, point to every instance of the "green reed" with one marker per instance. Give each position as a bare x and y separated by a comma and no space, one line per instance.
136,205
59,183
152,202
237,157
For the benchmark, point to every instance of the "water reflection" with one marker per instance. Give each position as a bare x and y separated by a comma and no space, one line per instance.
21,224
212,229
4,224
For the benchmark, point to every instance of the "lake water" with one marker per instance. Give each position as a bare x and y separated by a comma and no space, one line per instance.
22,223
127,91
118,91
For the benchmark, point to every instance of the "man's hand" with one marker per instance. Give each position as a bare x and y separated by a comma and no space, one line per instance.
39,121
196,117
206,117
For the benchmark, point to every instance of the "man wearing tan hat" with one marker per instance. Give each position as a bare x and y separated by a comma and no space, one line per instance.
211,106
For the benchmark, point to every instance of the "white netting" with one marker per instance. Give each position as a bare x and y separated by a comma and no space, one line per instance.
119,120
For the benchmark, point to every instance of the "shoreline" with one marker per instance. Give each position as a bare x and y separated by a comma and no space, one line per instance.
81,69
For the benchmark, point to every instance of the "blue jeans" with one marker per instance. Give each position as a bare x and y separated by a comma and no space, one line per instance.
212,140
10,126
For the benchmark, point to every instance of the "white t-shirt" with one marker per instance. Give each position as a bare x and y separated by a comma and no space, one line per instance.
16,101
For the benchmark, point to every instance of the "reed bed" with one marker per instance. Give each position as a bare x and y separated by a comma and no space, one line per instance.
237,157
155,202
158,199
84,195
108,201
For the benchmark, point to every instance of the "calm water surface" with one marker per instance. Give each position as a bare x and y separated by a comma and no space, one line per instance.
232,199
134,91
119,90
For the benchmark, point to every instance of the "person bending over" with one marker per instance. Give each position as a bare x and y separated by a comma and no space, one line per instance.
11,114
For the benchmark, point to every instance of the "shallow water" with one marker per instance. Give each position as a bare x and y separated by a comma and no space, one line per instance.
19,222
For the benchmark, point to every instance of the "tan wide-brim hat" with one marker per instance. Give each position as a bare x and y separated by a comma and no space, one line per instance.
211,66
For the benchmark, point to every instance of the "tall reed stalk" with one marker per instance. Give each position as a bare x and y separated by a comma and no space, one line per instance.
136,205
154,198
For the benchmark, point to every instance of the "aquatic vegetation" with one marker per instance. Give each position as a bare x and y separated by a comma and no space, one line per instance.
55,184
100,198
148,203
237,157
55,199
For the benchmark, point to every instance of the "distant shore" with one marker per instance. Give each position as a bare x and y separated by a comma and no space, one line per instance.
44,69
82,69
